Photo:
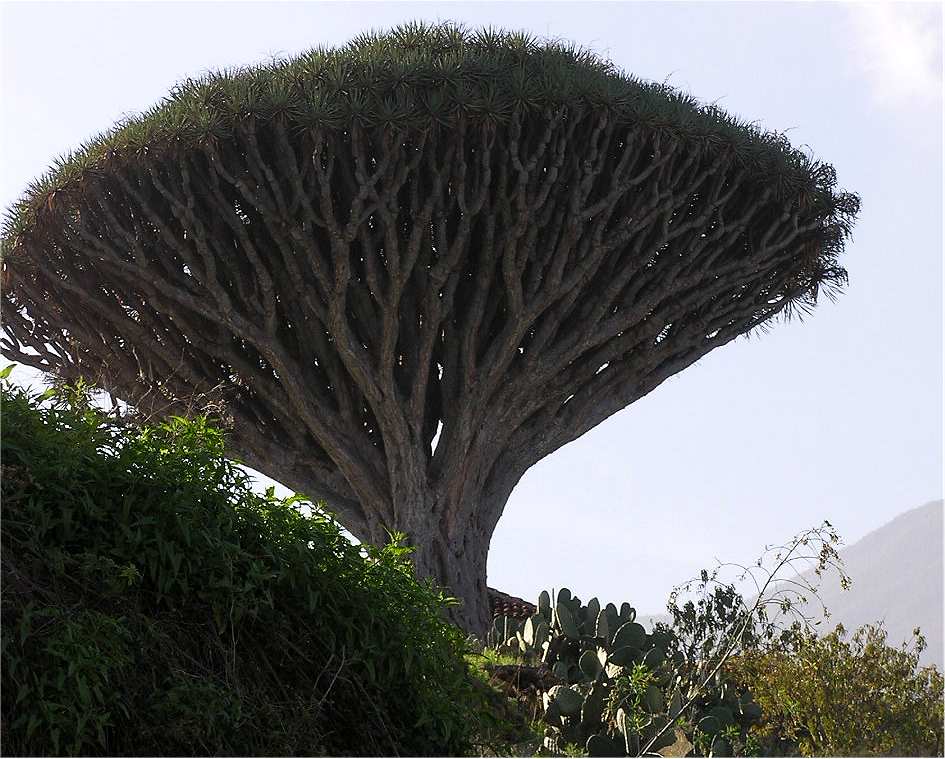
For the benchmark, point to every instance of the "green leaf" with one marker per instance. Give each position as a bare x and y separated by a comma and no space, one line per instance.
569,701
601,745
589,664
566,621
630,634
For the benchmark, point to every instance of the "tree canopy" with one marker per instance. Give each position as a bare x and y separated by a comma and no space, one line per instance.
415,265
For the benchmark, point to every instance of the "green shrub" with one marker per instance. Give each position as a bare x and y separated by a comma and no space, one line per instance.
154,604
835,696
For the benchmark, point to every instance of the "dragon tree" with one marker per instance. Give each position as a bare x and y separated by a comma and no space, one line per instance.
411,267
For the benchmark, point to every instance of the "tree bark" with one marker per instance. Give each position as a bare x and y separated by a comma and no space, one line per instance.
449,524
455,558
448,516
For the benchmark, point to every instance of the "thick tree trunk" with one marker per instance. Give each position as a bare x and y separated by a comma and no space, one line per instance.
449,523
458,563
453,555
448,516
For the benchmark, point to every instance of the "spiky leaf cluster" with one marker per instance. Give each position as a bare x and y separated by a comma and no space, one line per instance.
420,76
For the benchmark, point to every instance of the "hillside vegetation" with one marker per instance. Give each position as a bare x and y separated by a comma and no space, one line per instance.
899,578
154,604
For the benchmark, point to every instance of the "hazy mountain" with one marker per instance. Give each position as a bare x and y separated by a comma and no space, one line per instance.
897,578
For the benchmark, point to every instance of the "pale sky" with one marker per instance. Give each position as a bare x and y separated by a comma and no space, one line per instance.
838,417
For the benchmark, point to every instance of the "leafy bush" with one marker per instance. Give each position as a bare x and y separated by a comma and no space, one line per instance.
154,604
509,722
835,696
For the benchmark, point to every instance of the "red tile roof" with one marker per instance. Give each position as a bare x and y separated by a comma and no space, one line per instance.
502,604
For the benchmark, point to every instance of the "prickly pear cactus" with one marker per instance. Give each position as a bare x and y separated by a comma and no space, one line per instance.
618,693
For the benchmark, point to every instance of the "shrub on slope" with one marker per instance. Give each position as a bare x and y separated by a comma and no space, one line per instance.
846,696
154,604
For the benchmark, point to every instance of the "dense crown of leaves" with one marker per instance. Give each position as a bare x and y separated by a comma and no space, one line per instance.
154,604
421,76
